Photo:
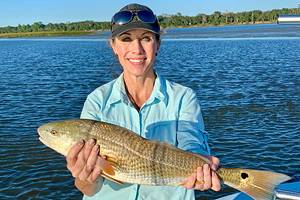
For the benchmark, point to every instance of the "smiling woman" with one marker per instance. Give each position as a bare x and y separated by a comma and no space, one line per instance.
140,99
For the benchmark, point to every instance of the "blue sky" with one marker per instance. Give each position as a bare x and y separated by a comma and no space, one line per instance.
14,12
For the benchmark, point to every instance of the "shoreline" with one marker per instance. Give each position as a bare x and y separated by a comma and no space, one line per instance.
45,34
78,33
221,25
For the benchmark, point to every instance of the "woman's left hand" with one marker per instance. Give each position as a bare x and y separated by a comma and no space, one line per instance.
205,177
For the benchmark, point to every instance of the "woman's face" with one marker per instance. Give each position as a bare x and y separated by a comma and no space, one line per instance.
136,51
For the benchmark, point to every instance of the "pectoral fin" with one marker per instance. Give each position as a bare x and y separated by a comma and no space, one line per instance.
112,161
107,167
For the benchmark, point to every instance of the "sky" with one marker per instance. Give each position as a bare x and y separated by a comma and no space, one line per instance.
14,12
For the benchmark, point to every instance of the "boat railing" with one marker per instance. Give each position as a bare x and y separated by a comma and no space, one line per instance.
287,195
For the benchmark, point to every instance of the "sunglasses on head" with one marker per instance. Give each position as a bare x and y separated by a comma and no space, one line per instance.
124,17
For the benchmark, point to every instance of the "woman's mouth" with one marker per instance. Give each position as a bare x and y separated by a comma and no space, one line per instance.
137,61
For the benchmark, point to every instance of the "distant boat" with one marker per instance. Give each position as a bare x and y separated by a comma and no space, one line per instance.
288,19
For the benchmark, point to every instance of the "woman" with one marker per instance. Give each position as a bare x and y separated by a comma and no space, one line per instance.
149,105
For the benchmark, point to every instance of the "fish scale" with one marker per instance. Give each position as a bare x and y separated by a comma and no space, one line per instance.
145,162
141,161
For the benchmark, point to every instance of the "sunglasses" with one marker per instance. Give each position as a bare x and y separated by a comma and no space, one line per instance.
124,17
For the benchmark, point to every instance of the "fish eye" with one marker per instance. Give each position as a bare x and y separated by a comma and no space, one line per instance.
53,132
244,175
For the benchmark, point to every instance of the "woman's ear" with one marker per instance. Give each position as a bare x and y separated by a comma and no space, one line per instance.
158,46
112,45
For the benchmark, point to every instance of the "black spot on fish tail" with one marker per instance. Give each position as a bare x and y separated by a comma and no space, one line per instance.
244,175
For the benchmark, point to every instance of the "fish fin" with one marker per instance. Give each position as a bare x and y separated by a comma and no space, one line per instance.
108,168
112,179
112,161
258,184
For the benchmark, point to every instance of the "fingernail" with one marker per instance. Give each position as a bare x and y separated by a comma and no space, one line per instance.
96,147
205,166
81,142
214,167
91,141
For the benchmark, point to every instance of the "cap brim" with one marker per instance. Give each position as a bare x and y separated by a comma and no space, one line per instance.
117,30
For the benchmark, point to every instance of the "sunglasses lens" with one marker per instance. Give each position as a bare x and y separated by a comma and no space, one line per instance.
146,16
122,17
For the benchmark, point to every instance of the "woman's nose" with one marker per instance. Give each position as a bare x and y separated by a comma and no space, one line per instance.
137,47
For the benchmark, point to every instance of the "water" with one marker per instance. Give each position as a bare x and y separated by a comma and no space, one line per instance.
247,84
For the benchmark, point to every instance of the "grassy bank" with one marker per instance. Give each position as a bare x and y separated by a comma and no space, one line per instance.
44,34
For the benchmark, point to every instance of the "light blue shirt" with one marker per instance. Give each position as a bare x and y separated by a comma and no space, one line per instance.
172,114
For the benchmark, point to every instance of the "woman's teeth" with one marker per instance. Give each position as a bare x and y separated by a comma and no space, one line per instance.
136,60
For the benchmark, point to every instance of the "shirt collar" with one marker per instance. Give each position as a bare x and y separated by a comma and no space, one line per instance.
160,90
118,93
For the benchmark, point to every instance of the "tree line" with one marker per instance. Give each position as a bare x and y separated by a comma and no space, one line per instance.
177,20
40,27
218,18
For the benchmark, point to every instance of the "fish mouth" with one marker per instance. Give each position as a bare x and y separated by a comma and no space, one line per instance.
43,141
39,130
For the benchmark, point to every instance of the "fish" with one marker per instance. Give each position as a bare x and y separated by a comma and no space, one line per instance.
134,159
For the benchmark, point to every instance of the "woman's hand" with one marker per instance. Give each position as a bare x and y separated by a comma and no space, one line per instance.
84,162
205,177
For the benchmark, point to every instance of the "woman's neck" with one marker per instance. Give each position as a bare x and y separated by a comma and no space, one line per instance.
139,89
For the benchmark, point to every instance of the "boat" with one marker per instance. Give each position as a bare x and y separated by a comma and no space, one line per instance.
288,19
288,191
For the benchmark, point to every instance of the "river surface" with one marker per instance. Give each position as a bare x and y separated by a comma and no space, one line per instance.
247,79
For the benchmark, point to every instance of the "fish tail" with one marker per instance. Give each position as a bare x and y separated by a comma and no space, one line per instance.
258,184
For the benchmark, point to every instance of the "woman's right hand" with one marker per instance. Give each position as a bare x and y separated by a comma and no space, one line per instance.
84,162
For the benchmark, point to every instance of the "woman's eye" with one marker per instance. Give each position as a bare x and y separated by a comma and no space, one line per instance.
126,39
147,39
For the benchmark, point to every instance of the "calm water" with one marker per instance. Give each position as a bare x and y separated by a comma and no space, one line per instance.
247,79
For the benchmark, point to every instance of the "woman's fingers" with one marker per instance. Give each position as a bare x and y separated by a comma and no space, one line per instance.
200,179
79,165
206,177
215,162
216,184
88,148
215,180
81,161
90,163
84,162
73,154
96,171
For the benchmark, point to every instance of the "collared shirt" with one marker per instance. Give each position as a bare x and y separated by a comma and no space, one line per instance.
172,114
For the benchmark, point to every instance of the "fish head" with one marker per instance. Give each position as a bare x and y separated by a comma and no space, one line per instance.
62,135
